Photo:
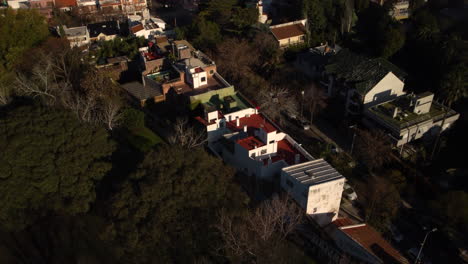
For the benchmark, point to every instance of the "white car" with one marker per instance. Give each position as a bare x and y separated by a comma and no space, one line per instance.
349,192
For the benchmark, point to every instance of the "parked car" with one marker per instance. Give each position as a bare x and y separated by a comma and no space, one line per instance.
304,124
349,192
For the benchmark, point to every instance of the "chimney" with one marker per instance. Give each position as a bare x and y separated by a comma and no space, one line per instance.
245,128
237,121
297,158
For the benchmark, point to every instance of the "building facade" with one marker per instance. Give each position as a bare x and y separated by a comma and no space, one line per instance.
315,186
292,33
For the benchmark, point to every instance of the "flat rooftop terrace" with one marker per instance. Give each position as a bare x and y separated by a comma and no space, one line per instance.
313,172
407,117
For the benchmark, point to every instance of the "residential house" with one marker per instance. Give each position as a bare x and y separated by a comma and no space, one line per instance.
291,33
410,117
363,243
45,7
87,6
18,4
361,81
148,28
134,6
77,36
110,6
190,74
315,186
142,92
104,30
313,62
65,5
400,8
247,140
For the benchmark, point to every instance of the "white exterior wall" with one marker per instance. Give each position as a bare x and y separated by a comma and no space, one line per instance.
319,200
388,88
324,199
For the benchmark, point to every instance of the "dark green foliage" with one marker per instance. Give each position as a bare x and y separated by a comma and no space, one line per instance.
50,164
20,30
204,33
120,47
168,210
135,131
315,13
452,207
381,34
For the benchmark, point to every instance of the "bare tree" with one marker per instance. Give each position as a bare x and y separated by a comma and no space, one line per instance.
315,100
275,100
373,148
261,231
186,136
111,113
41,83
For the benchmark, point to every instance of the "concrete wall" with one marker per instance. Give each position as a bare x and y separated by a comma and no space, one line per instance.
324,199
205,97
388,88
321,201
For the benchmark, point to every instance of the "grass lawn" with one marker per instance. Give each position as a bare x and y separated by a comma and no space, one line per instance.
143,138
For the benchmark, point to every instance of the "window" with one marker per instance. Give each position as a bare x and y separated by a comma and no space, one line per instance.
272,142
289,183
253,155
263,151
211,71
315,209
203,79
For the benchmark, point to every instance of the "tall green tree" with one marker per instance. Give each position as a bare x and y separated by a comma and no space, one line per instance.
454,84
20,30
50,164
315,14
168,210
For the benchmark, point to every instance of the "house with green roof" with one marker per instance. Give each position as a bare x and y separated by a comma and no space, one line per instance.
362,81
410,117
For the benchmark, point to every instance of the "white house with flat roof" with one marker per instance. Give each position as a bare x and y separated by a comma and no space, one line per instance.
78,36
317,187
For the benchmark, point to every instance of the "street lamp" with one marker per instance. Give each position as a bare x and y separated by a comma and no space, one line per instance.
302,102
422,245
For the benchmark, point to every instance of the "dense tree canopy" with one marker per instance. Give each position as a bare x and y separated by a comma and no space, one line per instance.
50,164
168,210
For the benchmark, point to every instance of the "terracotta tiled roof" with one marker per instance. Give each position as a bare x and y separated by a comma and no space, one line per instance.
343,222
255,121
289,31
372,241
136,28
250,143
65,3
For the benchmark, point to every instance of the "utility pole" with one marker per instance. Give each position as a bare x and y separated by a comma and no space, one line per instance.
422,245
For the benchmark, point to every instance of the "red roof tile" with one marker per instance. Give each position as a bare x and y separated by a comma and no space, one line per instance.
289,31
373,242
250,143
65,3
136,28
343,222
